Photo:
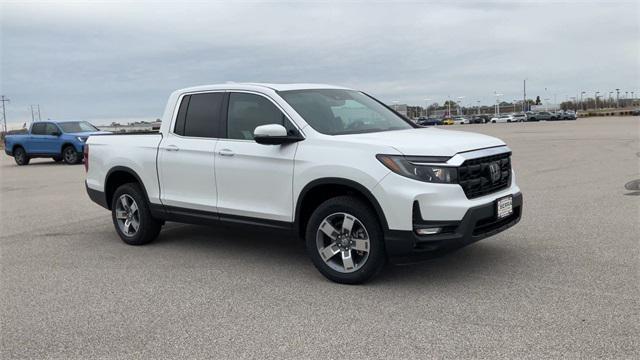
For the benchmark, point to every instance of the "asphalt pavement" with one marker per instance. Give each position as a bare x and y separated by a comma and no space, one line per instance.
563,283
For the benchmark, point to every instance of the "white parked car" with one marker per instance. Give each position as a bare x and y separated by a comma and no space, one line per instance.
519,117
460,120
502,119
358,183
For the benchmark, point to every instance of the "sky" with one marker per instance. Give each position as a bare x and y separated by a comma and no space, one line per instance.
107,61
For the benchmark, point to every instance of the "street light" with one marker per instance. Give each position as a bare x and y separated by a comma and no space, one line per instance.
596,102
497,102
460,102
478,101
581,101
617,97
426,106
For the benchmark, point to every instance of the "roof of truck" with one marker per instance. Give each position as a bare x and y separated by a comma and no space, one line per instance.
277,87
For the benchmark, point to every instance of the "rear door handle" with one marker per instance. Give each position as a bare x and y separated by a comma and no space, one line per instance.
172,148
226,152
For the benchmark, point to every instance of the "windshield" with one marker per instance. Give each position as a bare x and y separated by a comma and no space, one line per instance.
76,126
339,112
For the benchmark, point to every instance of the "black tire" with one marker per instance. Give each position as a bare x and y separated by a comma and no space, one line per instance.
148,228
367,217
70,156
57,158
20,156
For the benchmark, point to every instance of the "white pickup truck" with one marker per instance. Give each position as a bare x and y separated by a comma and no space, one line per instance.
358,182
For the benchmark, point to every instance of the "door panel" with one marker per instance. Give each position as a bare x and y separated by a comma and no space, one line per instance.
255,180
186,159
186,171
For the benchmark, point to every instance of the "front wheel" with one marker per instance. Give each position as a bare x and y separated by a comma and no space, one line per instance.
345,241
20,156
131,216
70,155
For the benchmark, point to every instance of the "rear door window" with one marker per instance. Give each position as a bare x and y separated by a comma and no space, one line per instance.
199,115
38,129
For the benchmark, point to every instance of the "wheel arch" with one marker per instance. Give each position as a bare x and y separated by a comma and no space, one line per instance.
18,145
65,144
120,175
319,190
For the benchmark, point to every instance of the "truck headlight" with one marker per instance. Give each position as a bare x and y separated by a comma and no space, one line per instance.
421,168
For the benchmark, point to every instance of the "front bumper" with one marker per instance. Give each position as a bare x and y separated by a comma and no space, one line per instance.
479,222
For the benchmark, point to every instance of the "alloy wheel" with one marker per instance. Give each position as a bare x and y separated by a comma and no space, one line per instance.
344,235
70,155
127,215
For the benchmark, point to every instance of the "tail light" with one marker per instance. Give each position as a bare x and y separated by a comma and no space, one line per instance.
85,153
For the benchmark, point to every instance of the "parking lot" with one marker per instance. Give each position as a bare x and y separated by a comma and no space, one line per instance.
562,283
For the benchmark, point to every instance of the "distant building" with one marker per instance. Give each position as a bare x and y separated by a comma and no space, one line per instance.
138,126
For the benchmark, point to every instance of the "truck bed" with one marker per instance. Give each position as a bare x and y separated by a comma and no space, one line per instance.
135,151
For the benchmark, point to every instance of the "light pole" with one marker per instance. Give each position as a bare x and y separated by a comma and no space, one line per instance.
596,101
478,101
617,97
4,100
581,101
459,104
449,105
426,106
497,102
610,99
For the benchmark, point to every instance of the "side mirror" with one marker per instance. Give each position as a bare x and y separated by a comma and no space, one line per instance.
274,134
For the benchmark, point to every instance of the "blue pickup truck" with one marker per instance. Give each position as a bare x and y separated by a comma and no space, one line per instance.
60,140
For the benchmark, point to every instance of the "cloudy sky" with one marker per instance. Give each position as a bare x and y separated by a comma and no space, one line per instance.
119,60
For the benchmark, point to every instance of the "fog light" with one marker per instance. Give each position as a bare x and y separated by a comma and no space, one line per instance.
428,231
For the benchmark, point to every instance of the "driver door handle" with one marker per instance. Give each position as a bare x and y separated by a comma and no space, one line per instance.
226,152
172,148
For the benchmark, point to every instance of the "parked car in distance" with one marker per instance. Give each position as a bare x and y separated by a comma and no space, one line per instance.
477,120
485,117
447,121
539,116
519,117
59,140
635,112
502,119
425,121
569,115
358,183
460,120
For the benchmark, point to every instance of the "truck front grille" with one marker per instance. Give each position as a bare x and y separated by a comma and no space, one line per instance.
482,176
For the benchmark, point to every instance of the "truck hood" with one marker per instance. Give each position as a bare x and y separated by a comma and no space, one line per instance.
428,141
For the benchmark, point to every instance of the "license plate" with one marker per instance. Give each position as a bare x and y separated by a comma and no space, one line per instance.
505,207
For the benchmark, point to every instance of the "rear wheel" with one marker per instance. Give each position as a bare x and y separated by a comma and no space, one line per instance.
20,156
345,241
131,216
70,155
